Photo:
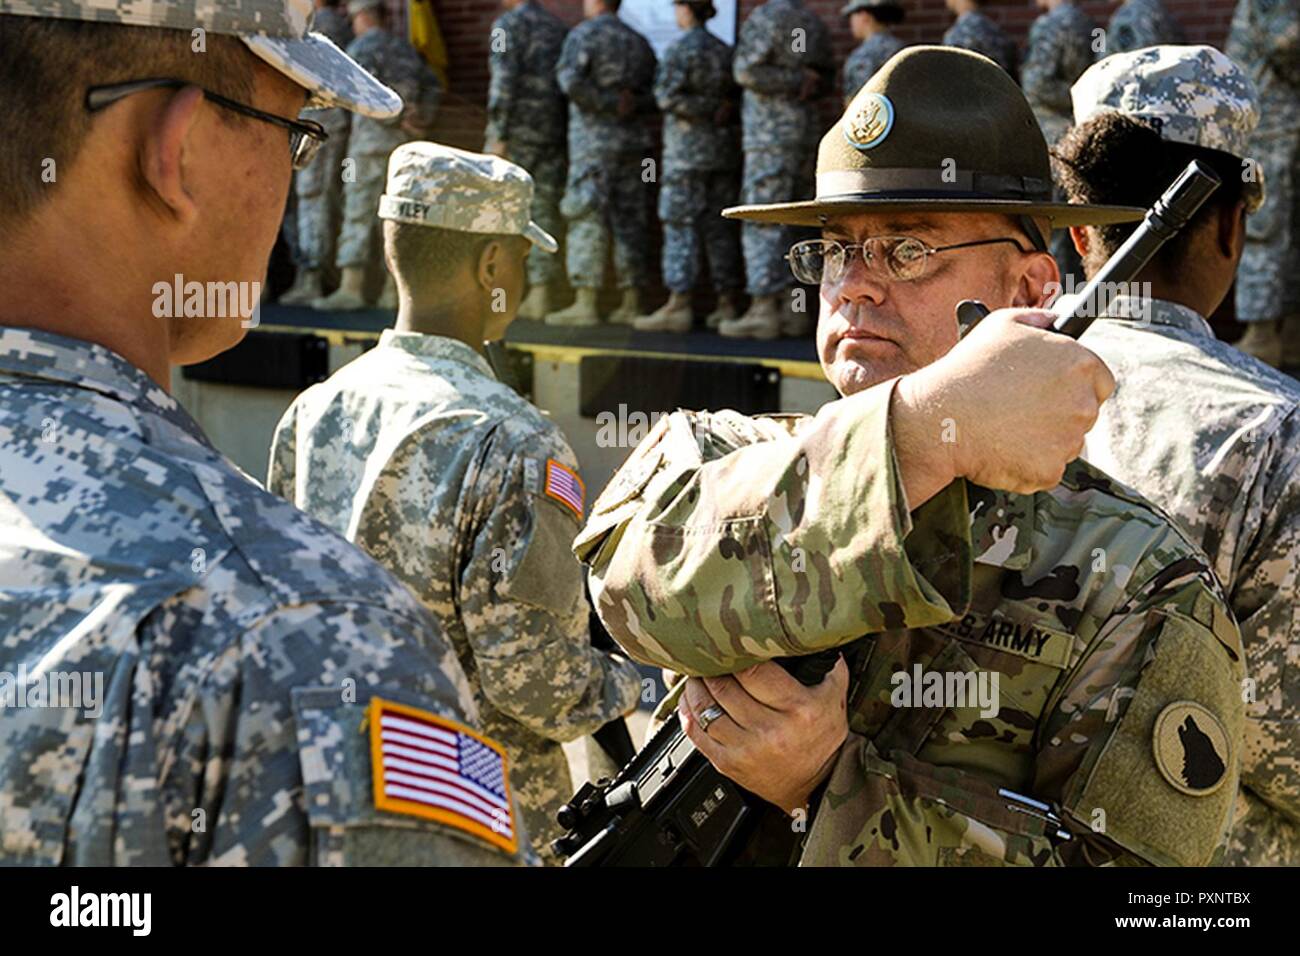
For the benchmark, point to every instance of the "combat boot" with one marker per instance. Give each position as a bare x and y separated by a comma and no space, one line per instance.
305,290
1291,342
537,304
627,311
723,311
388,297
673,316
761,321
1263,340
795,323
582,312
347,297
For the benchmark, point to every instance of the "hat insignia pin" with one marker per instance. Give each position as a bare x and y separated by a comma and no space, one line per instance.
870,122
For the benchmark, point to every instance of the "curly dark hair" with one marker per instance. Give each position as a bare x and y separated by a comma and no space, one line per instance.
1117,159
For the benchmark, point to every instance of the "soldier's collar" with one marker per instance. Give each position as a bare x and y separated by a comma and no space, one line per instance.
1002,527
1158,312
435,347
44,356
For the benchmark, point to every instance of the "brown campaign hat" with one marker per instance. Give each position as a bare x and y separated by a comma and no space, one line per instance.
936,129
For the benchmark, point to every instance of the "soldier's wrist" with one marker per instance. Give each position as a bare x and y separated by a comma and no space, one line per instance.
926,463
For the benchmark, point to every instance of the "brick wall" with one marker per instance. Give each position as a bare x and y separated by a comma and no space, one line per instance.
466,23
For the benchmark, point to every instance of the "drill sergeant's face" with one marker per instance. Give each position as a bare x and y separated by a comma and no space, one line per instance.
872,327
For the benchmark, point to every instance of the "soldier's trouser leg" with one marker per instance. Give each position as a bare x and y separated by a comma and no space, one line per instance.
770,176
722,236
547,166
1268,278
358,240
681,203
319,192
587,242
628,221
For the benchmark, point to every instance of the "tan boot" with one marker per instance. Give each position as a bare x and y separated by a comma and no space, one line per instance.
1291,342
761,321
388,297
537,304
305,290
348,296
796,323
673,316
1264,341
627,311
582,312
723,311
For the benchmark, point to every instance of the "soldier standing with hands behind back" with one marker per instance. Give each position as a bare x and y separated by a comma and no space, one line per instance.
701,165
607,71
526,124
783,62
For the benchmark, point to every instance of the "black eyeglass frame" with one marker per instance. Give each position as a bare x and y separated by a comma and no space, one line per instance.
850,247
301,132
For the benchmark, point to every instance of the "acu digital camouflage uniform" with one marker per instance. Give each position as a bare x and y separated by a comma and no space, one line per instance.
975,30
418,454
239,643
605,194
726,540
1140,23
778,41
1059,50
1213,437
701,161
1265,40
867,57
318,188
395,63
527,111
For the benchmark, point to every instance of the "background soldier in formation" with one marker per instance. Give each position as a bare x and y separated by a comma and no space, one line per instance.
869,22
1265,39
1139,23
975,30
607,71
1209,434
701,171
318,189
527,113
393,61
783,63
456,484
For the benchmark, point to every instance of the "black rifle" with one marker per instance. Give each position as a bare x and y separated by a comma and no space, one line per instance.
669,806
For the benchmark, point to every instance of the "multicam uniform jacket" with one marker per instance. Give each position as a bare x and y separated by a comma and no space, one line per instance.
727,540
237,644
1213,437
448,478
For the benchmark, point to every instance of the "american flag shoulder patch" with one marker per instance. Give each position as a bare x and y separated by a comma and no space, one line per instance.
564,485
428,766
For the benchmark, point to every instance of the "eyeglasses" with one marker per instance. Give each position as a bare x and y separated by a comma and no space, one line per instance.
901,258
305,136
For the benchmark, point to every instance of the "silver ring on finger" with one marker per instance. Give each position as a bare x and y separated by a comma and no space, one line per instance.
709,714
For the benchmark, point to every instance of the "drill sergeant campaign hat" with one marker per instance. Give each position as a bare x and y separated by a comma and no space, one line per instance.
434,185
936,129
277,31
1193,95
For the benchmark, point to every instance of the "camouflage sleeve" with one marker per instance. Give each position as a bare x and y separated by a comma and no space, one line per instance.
523,606
672,90
1134,764
281,469
504,65
1040,74
280,751
725,541
1283,31
572,73
750,68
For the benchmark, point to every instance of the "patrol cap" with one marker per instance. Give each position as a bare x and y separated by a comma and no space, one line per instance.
887,13
936,129
1189,94
277,31
430,184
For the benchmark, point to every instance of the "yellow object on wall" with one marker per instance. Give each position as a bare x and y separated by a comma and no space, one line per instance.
426,36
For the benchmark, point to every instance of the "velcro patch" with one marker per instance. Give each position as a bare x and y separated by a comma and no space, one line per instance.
564,485
1191,748
430,767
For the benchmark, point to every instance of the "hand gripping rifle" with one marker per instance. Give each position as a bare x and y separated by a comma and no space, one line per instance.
669,806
